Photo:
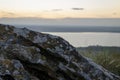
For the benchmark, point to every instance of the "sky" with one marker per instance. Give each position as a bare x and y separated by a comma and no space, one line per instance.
69,13
60,8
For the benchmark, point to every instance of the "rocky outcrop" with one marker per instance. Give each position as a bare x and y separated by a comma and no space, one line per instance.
29,55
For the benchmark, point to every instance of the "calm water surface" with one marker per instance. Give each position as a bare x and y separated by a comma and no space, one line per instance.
83,39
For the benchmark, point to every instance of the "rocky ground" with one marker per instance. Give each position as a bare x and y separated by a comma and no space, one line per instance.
29,55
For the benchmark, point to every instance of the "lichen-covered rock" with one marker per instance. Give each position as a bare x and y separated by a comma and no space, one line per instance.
12,70
29,55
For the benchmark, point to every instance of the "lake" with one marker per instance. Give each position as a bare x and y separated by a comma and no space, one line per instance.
84,39
83,36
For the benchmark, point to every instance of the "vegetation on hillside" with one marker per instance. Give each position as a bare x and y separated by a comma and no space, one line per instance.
108,57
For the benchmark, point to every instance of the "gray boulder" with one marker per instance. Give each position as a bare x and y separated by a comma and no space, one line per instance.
30,55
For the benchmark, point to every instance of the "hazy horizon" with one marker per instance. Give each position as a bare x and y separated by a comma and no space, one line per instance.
61,12
98,22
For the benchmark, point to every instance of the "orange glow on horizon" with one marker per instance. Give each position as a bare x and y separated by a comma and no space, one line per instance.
60,8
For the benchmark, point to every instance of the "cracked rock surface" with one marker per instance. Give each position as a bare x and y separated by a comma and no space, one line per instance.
30,55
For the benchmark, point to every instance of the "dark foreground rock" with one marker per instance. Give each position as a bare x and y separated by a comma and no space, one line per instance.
29,55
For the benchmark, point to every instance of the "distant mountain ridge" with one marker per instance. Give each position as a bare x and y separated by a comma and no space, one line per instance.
62,28
63,21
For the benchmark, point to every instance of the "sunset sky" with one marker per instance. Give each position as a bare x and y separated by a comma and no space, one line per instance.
60,8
